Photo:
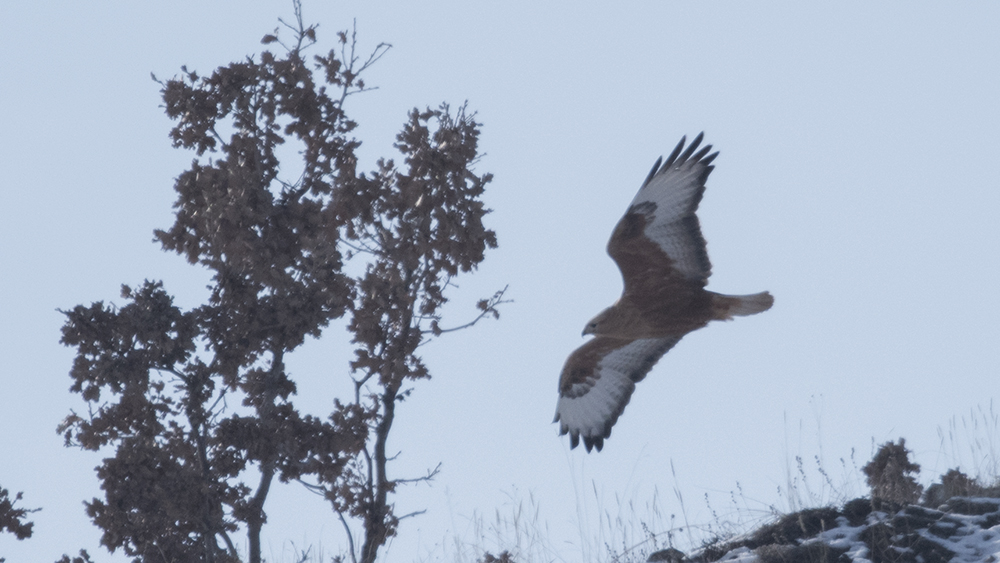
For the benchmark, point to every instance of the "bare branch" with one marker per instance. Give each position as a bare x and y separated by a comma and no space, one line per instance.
487,307
229,543
370,482
412,514
305,37
361,247
350,73
350,536
431,474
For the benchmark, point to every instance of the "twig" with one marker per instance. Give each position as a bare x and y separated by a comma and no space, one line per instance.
417,513
488,308
431,474
350,536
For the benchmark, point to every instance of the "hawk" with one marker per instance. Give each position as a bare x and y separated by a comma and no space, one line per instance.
661,253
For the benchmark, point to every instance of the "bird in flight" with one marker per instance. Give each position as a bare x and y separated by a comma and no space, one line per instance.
661,253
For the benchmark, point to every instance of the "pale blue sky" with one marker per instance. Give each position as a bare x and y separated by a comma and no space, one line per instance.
857,181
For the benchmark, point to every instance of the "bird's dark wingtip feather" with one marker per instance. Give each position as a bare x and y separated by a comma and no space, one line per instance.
652,172
691,148
675,153
701,154
593,443
680,155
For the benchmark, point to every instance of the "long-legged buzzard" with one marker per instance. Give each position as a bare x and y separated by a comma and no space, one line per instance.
661,253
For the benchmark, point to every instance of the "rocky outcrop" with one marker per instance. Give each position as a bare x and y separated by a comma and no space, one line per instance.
961,529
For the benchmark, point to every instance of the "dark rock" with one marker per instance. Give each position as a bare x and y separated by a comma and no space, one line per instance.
914,517
816,552
971,507
670,555
887,544
793,527
856,511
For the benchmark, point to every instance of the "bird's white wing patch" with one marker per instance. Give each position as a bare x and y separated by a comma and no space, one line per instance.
669,199
598,381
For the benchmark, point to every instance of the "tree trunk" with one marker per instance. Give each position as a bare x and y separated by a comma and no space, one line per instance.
255,522
375,525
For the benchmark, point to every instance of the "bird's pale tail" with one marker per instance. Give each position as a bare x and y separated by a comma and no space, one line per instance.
729,306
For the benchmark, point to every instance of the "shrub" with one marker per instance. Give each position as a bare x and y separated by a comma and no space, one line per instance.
889,474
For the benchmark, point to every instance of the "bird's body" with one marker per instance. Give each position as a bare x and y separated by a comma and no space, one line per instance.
662,256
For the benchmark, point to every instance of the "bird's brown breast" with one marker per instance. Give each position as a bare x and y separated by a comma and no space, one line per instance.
670,314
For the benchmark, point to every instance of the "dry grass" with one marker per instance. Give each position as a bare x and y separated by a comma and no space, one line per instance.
615,529
970,443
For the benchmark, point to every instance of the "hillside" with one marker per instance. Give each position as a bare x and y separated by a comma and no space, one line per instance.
955,519
960,529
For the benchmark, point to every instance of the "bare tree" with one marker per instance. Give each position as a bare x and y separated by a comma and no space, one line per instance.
198,406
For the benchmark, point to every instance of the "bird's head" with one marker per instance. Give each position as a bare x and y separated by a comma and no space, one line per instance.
598,323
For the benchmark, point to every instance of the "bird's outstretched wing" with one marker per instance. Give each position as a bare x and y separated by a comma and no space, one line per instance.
659,240
597,382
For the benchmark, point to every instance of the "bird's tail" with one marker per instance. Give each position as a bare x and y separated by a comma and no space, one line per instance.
729,306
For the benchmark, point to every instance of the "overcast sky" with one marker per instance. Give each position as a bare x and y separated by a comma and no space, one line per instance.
857,182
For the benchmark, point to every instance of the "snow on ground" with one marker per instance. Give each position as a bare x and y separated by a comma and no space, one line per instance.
959,530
